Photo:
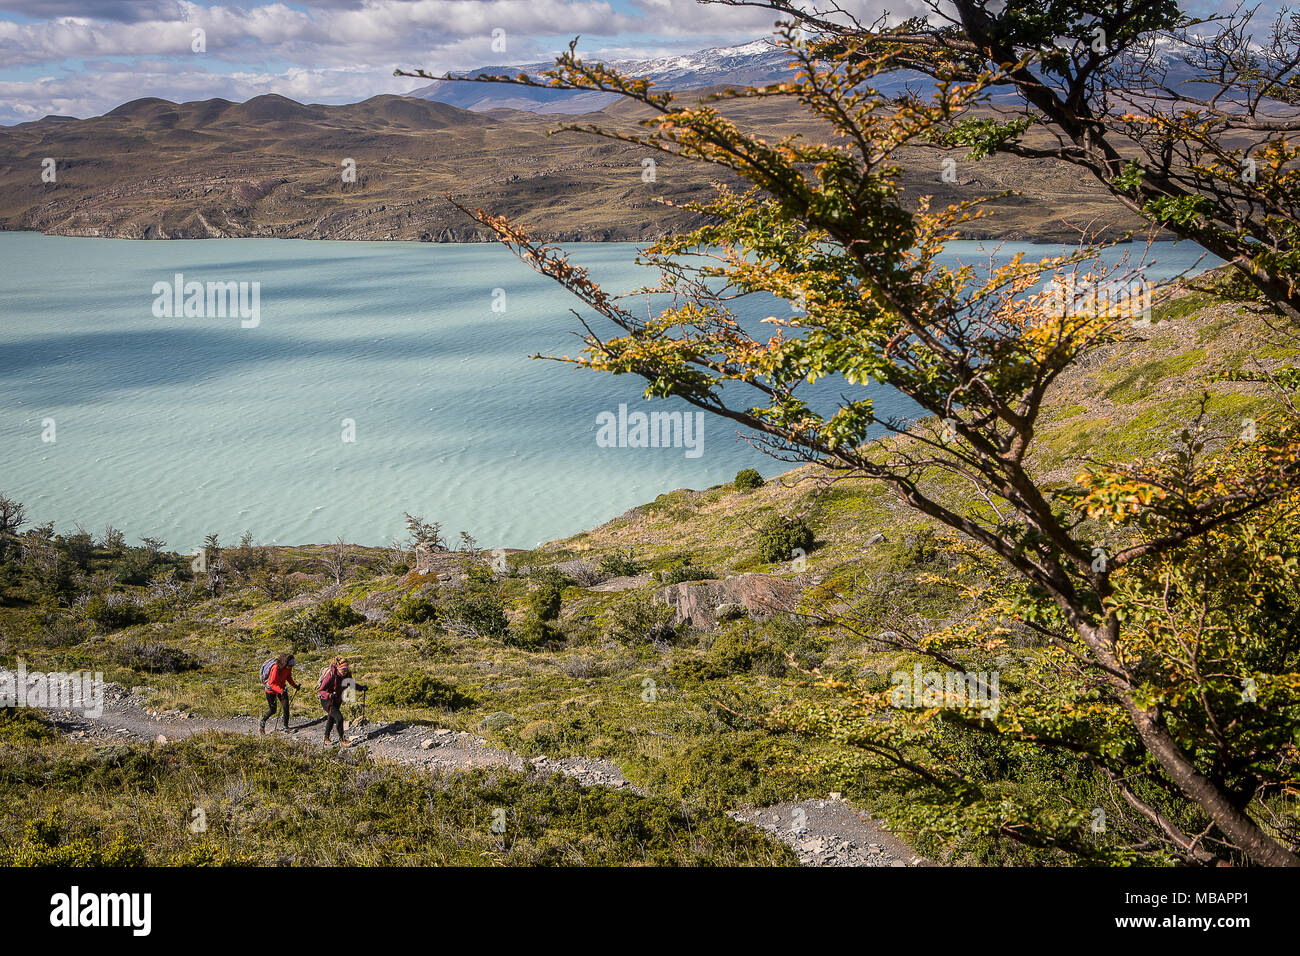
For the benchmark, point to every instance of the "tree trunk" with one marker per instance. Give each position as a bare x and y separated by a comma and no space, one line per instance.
1236,825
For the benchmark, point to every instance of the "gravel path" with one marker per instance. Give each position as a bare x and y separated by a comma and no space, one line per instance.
821,832
832,833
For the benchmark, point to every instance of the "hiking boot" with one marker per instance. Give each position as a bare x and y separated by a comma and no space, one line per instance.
345,742
261,726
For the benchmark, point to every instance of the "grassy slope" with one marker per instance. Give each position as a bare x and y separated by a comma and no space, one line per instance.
586,697
228,799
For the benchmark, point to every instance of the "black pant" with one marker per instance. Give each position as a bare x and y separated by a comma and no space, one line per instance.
271,699
332,718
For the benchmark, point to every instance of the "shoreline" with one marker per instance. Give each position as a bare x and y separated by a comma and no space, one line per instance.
1047,240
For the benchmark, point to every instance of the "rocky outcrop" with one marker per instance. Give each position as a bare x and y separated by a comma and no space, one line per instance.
703,603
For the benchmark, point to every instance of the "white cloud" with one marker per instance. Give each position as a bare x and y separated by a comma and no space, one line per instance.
382,28
333,51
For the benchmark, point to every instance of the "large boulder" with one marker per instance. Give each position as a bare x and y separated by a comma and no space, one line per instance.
697,603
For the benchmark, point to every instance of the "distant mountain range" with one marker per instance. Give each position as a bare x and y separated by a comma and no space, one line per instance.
757,63
153,169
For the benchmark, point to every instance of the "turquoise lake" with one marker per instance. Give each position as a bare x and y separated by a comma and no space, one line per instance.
175,427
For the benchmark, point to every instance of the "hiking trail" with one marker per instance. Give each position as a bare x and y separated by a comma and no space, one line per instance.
826,832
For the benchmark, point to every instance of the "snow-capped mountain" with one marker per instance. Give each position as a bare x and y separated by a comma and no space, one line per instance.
755,63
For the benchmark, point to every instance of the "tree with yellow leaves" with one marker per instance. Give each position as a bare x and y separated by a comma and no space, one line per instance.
1148,601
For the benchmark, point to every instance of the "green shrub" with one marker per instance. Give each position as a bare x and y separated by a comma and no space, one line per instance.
747,479
736,651
779,538
109,615
415,608
316,627
639,620
135,566
534,633
162,609
475,609
619,564
45,843
683,570
414,689
497,720
727,770
52,626
79,548
730,611
477,613
922,549
739,651
24,726
155,658
546,598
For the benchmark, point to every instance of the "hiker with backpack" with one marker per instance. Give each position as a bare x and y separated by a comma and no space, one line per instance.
334,680
277,678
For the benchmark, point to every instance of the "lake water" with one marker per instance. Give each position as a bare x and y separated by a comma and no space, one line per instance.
175,427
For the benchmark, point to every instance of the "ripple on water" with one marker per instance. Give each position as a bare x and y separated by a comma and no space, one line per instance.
177,428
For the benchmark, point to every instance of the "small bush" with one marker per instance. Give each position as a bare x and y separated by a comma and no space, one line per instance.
497,720
538,730
780,537
156,658
922,549
730,611
45,843
728,769
477,614
415,608
24,726
54,627
534,634
546,599
316,627
135,566
108,614
639,620
414,689
620,564
583,573
747,479
683,570
737,651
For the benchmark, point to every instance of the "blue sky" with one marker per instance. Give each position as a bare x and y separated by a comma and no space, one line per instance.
84,57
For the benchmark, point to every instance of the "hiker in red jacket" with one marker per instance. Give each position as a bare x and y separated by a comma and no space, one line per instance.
333,682
278,681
